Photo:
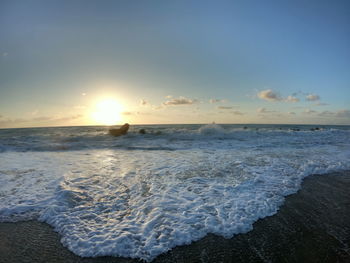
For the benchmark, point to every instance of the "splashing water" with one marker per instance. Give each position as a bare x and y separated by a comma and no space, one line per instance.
141,195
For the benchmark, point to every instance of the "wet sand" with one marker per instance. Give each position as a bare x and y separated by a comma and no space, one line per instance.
312,226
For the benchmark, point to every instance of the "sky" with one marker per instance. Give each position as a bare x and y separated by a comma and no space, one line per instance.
104,62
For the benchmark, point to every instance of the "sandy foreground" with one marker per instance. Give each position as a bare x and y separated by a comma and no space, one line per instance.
312,226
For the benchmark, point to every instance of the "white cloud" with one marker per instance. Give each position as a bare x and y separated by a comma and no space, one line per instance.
308,111
343,113
312,97
336,114
55,118
5,54
129,113
43,118
237,112
52,119
4,122
154,107
143,102
68,118
34,113
225,107
212,101
292,99
326,113
79,107
269,95
179,101
263,110
321,104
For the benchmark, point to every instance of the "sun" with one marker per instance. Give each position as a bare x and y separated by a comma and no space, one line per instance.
107,112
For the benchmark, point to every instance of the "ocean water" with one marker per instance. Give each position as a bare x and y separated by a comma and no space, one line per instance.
140,195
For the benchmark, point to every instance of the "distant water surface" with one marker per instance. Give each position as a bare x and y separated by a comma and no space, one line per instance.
140,195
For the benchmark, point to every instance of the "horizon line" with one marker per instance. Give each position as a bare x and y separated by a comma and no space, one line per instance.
66,126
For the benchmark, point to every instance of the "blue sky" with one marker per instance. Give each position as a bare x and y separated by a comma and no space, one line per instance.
175,61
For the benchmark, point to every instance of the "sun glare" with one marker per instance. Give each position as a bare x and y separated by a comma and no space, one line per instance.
107,112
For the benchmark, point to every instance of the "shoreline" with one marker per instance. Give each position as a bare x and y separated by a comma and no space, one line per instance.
312,225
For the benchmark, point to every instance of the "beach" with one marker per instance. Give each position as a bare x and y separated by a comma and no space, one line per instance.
312,225
174,131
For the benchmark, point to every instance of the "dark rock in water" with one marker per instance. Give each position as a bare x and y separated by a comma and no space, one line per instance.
295,129
142,131
121,131
315,129
245,127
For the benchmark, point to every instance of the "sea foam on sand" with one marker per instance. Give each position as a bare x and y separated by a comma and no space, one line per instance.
141,203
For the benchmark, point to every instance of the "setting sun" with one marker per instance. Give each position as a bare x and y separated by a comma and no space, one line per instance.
107,112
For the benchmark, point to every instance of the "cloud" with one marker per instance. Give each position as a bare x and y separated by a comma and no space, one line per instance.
269,95
83,94
212,101
80,107
42,118
8,121
68,118
5,54
312,97
343,113
263,110
129,113
326,113
308,111
291,99
143,102
237,112
225,107
291,112
333,114
52,119
34,113
321,104
336,114
154,107
179,101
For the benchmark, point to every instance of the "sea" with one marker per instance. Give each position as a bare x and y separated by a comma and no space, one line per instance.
140,195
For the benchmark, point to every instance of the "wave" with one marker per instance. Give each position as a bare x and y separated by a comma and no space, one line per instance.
172,137
212,129
143,201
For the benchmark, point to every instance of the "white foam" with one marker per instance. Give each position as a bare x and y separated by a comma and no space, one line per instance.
140,203
211,129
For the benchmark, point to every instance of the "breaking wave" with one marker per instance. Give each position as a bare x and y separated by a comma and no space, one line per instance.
140,195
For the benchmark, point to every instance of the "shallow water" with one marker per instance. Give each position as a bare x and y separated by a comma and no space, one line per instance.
141,195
